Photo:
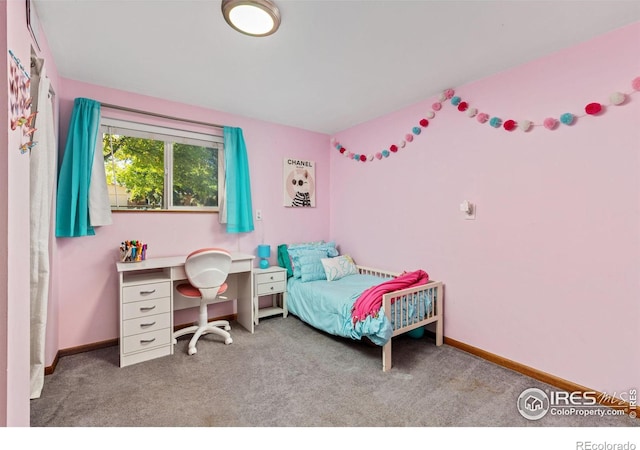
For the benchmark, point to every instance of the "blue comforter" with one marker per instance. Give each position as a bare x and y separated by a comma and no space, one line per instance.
326,305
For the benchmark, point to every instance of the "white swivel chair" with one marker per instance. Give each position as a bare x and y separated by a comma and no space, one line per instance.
207,271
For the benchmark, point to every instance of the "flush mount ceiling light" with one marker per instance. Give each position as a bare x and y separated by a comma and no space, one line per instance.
252,17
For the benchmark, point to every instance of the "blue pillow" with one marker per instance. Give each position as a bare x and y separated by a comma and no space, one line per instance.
294,252
309,263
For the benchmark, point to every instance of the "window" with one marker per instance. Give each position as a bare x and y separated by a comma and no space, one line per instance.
157,168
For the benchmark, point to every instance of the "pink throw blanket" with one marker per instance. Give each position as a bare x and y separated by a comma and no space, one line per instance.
370,301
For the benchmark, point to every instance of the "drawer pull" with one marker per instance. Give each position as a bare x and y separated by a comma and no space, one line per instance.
147,341
147,292
146,325
147,308
272,288
271,277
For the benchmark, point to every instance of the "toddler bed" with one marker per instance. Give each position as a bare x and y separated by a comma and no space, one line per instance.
357,302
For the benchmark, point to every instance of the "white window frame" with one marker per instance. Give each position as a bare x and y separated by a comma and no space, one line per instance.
168,135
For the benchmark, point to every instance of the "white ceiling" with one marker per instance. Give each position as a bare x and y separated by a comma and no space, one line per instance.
331,65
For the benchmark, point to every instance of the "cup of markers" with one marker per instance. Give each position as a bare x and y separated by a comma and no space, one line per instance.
133,251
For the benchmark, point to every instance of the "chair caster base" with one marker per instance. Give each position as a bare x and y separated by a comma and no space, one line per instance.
193,351
228,341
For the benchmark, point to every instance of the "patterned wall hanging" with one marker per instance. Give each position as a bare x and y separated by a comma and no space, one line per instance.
448,96
20,117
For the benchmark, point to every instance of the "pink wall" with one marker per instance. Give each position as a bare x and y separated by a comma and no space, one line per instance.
86,275
4,210
14,210
547,274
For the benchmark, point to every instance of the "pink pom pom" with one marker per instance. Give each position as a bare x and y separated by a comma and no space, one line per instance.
449,93
409,137
436,106
379,155
482,117
636,83
550,123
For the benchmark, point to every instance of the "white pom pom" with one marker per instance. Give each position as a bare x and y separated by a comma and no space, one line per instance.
442,97
525,125
403,143
370,157
471,112
617,98
431,115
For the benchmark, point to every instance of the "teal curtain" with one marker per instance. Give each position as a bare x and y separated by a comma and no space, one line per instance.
239,210
72,207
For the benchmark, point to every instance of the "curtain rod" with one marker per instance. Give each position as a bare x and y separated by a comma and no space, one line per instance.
161,116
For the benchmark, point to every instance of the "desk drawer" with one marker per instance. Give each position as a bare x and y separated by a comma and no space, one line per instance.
146,291
146,324
270,288
145,308
146,340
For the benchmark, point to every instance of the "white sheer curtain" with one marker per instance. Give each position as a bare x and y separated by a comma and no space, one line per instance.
43,163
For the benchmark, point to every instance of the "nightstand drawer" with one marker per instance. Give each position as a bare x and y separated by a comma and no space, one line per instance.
145,308
146,340
146,324
270,288
146,291
270,277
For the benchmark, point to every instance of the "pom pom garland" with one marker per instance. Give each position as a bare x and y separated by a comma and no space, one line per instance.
593,108
550,123
617,98
510,125
567,118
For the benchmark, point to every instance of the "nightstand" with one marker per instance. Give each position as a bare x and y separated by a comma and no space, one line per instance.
270,281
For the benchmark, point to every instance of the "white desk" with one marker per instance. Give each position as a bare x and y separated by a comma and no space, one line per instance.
147,302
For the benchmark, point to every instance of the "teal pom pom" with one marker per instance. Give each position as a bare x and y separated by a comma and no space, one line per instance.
567,118
455,100
385,153
495,122
338,146
416,130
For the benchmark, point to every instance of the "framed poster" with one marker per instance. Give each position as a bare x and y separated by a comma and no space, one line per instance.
299,183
